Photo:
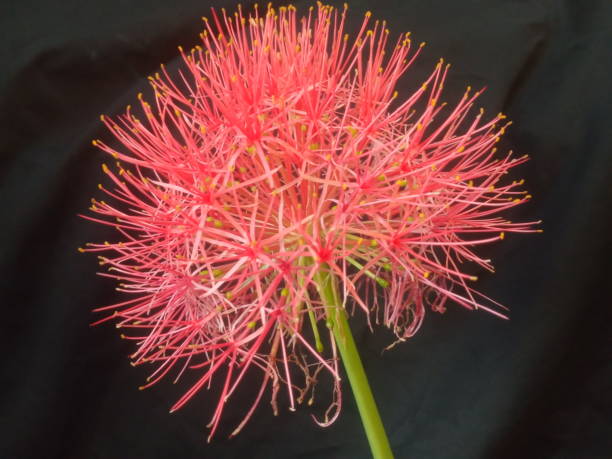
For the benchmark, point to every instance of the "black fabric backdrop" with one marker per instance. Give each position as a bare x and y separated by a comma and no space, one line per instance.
467,386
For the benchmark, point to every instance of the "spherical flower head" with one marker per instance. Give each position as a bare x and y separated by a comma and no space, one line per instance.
279,153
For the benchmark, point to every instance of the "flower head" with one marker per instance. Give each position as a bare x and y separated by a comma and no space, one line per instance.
279,151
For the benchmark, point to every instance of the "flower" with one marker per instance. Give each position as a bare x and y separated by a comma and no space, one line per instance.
279,152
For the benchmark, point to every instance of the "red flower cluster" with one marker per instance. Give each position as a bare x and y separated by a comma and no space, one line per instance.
281,150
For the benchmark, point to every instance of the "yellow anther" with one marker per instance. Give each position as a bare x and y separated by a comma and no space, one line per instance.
382,282
373,243
426,274
402,182
105,168
81,249
502,235
285,292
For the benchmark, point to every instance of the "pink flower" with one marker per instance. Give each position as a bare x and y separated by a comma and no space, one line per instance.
280,151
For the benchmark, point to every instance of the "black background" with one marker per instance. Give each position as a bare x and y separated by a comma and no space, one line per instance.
467,386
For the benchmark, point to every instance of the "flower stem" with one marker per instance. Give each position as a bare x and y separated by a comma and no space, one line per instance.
337,321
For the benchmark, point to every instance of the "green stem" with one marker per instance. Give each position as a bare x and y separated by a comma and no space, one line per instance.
336,319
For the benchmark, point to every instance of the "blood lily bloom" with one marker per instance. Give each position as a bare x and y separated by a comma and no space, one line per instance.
278,183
